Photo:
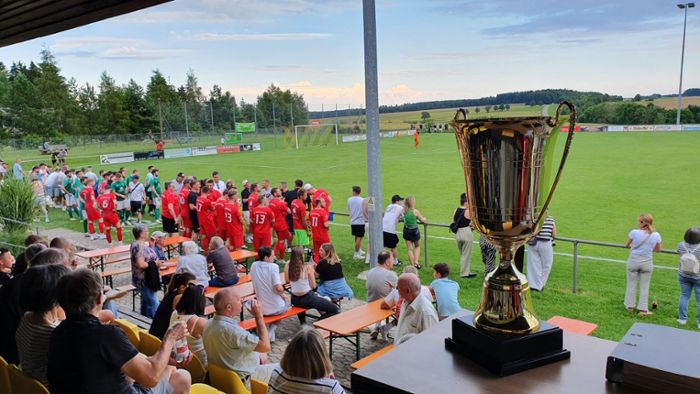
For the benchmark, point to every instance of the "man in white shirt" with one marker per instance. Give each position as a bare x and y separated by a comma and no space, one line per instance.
17,170
90,175
178,182
265,275
357,221
417,313
136,191
392,215
218,183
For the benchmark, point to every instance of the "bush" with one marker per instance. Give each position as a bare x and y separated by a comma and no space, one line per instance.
16,204
13,240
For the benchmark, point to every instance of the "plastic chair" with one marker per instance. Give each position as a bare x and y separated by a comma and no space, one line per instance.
23,383
196,369
201,388
225,380
5,386
149,344
257,387
131,330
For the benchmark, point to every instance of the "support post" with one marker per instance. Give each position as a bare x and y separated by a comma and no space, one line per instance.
573,287
374,176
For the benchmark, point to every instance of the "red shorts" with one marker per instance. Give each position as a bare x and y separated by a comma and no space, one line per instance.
186,223
207,229
92,214
221,231
261,240
283,235
110,219
235,239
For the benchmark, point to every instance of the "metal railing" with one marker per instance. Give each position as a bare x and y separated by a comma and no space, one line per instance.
28,225
574,241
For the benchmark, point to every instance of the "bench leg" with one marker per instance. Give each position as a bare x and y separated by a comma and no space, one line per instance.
357,346
133,300
330,346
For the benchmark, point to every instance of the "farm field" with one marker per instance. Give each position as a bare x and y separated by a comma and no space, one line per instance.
610,178
672,102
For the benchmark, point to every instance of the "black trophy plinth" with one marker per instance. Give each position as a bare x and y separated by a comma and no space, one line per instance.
506,355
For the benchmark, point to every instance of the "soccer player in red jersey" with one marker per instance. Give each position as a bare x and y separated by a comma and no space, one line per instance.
205,216
171,209
213,193
263,217
280,209
107,202
184,208
221,227
318,218
234,221
254,194
299,223
87,197
318,193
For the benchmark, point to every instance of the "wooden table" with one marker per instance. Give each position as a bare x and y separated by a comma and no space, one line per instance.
97,256
245,256
424,365
171,243
350,323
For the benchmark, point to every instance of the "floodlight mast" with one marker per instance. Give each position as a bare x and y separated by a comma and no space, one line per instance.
683,7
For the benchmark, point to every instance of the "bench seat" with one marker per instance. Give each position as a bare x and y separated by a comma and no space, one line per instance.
364,361
573,325
293,311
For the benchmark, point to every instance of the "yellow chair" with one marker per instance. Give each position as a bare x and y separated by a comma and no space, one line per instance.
201,388
257,387
131,330
5,386
196,369
225,380
23,383
149,344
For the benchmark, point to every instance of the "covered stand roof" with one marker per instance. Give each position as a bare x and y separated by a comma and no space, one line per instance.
22,20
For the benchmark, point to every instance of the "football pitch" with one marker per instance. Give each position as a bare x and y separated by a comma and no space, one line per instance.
609,179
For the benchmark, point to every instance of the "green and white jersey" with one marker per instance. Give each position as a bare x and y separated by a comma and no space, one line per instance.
68,185
155,185
119,187
77,186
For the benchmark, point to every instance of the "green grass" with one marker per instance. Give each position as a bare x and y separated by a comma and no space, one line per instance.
609,180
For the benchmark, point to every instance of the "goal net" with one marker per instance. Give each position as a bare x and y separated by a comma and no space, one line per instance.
315,135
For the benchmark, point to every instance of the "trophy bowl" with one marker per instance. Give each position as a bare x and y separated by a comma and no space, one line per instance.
510,180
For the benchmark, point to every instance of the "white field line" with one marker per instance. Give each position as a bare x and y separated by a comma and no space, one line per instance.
580,256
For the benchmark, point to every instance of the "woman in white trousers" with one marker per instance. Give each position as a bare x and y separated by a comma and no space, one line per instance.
540,255
464,237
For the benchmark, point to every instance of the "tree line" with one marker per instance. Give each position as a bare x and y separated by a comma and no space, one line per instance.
38,103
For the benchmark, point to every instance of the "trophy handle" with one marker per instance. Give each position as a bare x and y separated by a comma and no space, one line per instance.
569,137
463,112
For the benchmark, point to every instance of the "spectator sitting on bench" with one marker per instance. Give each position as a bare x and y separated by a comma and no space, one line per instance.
417,313
220,258
380,281
42,315
194,263
305,367
330,274
394,300
86,356
231,347
188,305
445,291
161,321
302,278
156,242
265,275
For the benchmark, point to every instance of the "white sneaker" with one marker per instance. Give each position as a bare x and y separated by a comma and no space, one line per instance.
102,236
362,252
46,220
681,322
94,237
357,256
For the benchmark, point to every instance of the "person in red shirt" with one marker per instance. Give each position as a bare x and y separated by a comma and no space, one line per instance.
213,193
184,208
299,223
108,204
87,197
318,193
280,209
263,217
205,216
234,221
221,227
318,219
171,210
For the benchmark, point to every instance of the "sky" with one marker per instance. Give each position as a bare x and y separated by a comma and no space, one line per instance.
427,50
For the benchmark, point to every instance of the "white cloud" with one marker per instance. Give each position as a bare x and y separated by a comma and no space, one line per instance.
82,42
140,53
255,37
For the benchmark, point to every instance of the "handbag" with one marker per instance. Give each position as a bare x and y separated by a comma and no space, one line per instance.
454,226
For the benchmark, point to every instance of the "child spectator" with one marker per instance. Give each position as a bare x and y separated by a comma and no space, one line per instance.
445,291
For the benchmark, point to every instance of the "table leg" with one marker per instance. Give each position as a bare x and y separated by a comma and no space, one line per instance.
330,346
357,346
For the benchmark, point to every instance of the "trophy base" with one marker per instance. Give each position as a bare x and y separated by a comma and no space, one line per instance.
507,355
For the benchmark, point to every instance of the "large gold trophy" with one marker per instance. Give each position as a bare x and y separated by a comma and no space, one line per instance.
508,169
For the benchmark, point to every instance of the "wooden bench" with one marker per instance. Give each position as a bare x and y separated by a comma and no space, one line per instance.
107,275
573,325
366,360
136,318
293,311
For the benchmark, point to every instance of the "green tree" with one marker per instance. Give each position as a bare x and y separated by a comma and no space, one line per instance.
507,107
425,115
477,110
140,114
487,108
284,102
112,117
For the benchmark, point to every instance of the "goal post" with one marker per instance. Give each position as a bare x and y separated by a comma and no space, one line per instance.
315,135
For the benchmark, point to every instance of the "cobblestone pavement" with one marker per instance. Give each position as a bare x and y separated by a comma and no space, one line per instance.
343,351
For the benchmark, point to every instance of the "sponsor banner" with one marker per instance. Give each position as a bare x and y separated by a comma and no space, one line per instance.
204,151
354,137
615,128
691,127
233,138
148,155
113,158
665,127
388,134
228,149
248,127
641,127
594,128
256,147
246,147
178,152
565,129
315,122
411,132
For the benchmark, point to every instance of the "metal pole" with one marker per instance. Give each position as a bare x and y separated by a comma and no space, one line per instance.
425,244
187,126
573,287
680,84
374,176
211,113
